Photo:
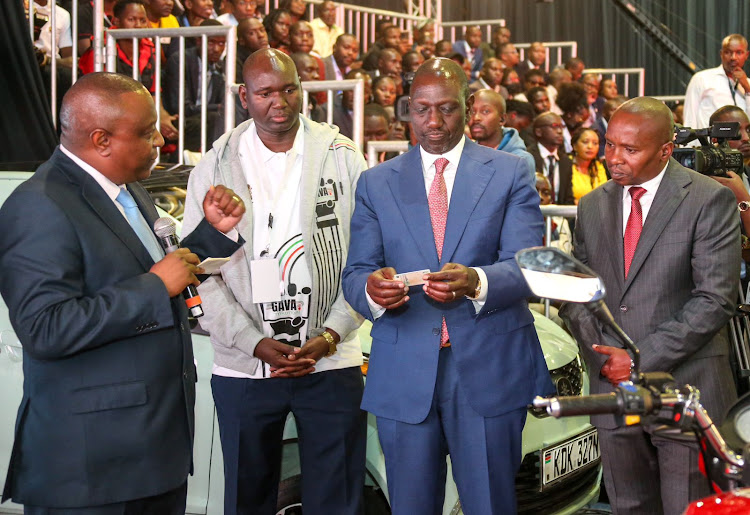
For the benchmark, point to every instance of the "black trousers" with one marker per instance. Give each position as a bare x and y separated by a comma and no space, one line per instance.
331,432
169,503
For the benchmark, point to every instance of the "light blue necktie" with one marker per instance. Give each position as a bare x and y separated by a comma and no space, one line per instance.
139,225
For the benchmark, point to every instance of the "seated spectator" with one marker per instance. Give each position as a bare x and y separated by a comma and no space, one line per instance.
602,120
518,115
550,158
389,64
411,61
535,59
486,120
500,36
277,24
555,78
196,12
345,51
590,83
325,30
424,41
86,19
384,94
443,48
573,101
301,39
539,100
192,92
562,236
241,10
532,79
296,9
376,127
343,103
307,69
391,38
678,110
588,171
463,62
470,48
575,66
251,36
508,55
43,31
490,77
512,83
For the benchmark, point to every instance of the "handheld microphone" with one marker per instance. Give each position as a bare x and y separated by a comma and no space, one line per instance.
165,231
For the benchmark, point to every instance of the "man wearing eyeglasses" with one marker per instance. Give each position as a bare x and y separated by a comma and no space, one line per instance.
550,157
726,84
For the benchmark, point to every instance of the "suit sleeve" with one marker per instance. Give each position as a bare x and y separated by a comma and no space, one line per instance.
365,250
44,285
342,318
716,254
523,227
226,320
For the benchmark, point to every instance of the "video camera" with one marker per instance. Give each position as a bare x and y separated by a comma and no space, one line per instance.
709,159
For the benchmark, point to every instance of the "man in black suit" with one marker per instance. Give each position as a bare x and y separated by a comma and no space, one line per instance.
550,157
106,420
193,81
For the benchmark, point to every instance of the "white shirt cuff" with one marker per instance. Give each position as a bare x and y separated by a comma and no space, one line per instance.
482,298
233,235
376,309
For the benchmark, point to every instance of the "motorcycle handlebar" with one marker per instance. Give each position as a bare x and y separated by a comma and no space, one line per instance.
589,405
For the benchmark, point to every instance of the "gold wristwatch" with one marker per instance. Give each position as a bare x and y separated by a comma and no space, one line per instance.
478,289
328,337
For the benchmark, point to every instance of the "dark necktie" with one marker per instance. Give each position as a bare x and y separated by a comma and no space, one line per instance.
634,226
551,175
438,202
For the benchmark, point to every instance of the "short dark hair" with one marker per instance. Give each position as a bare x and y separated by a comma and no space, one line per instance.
210,22
571,96
373,109
722,112
535,90
120,6
520,108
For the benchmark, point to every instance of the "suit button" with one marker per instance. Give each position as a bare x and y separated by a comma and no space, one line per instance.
185,374
436,331
182,327
624,308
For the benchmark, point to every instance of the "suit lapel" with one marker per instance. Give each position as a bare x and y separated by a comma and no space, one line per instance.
408,189
471,180
610,212
668,198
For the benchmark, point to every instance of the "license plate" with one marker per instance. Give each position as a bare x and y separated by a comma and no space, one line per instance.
568,457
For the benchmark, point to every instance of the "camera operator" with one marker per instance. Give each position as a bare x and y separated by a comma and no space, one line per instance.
738,183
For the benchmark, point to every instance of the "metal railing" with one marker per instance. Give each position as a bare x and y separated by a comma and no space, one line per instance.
230,32
671,98
453,27
331,87
625,73
559,47
376,147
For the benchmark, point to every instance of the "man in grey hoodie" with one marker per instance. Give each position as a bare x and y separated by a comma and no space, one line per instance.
486,120
284,338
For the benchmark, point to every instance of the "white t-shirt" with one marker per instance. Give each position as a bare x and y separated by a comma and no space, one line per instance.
63,35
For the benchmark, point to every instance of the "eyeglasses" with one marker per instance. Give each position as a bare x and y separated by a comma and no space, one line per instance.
553,126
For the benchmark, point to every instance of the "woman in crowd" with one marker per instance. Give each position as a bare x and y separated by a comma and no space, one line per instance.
277,25
384,93
512,82
588,171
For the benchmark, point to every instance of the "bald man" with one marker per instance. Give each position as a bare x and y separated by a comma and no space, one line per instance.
455,361
106,421
291,351
666,241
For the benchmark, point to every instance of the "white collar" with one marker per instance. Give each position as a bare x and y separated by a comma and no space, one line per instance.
267,154
650,185
453,155
544,153
109,187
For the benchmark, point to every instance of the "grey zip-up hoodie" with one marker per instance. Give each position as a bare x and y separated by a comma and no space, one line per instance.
231,317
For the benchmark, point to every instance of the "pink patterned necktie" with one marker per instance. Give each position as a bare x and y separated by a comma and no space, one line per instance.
438,202
634,226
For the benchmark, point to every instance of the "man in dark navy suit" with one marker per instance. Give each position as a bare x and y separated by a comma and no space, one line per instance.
454,362
106,420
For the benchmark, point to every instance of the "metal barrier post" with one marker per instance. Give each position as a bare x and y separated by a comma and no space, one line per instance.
625,72
375,147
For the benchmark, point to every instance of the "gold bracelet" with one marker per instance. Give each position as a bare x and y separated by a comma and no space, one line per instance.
328,337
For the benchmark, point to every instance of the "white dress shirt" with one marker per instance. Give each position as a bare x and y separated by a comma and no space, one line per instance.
449,174
707,91
544,153
651,186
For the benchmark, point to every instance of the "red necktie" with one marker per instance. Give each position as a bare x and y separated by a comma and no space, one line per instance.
438,202
634,226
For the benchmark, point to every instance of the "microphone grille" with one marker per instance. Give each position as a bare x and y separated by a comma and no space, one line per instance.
164,227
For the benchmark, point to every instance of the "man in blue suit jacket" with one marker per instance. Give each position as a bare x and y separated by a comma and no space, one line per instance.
466,396
472,49
106,420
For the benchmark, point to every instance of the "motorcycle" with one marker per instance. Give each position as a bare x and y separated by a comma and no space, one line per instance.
652,398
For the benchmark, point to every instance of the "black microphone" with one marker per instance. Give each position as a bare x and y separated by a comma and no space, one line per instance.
165,231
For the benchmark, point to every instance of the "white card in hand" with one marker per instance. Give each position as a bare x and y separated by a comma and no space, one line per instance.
411,278
265,280
212,265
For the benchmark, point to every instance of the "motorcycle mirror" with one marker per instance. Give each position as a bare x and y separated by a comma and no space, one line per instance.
552,274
